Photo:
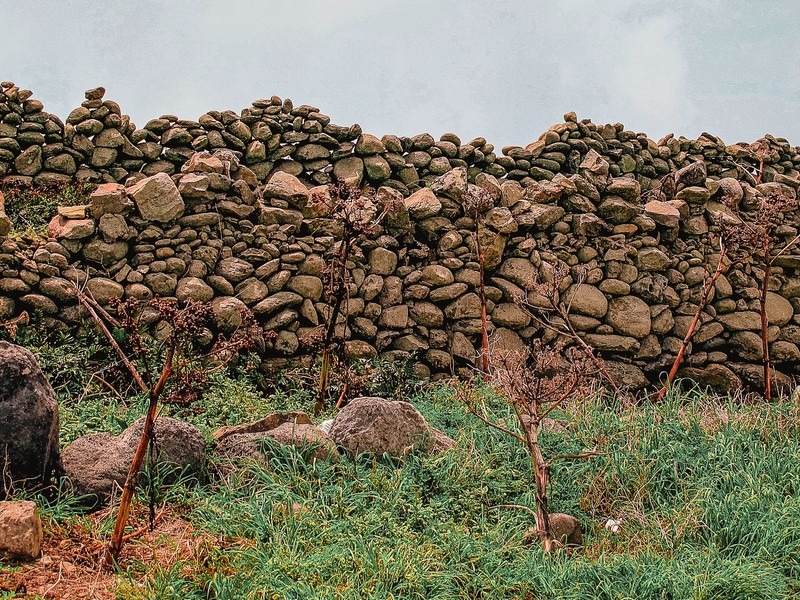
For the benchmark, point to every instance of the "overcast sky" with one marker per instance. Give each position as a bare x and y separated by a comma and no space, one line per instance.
502,70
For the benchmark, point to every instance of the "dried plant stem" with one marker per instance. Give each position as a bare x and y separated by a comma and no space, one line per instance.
765,323
705,296
84,300
482,288
339,291
118,537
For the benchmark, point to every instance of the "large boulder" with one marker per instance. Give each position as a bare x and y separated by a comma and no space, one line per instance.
97,463
28,421
379,426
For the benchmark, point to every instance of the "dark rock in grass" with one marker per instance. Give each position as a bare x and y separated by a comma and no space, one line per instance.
28,421
565,529
380,426
304,436
96,464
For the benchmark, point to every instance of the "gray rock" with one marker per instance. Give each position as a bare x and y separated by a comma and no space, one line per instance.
28,422
97,463
378,426
629,315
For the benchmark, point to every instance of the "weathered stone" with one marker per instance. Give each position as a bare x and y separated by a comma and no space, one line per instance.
541,215
20,531
29,162
452,184
394,317
626,376
718,377
740,321
252,445
617,210
652,259
427,314
276,302
228,313
103,290
308,286
193,289
157,198
612,343
510,315
70,229
113,227
423,204
587,300
779,309
630,316
109,198
382,261
349,170
437,275
663,213
289,188
379,427
270,215
520,271
467,306
97,463
235,269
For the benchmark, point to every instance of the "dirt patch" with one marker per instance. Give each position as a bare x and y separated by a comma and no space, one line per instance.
71,555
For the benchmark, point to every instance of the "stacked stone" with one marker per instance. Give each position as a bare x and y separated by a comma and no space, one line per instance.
31,141
238,224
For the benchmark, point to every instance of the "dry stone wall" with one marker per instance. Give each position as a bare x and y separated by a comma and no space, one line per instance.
223,210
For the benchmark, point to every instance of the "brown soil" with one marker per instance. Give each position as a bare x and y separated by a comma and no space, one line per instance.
71,555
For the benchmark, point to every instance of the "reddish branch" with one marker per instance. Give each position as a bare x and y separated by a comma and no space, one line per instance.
117,538
705,297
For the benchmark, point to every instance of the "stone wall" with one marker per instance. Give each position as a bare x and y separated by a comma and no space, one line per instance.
223,210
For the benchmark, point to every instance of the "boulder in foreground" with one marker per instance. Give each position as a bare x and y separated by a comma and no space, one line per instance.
379,426
28,421
98,463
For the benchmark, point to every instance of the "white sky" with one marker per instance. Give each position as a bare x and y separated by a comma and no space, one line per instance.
502,70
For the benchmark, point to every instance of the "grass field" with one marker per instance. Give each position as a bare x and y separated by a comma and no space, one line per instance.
707,490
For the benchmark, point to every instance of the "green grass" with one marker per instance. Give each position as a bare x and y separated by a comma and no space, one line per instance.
31,209
708,491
